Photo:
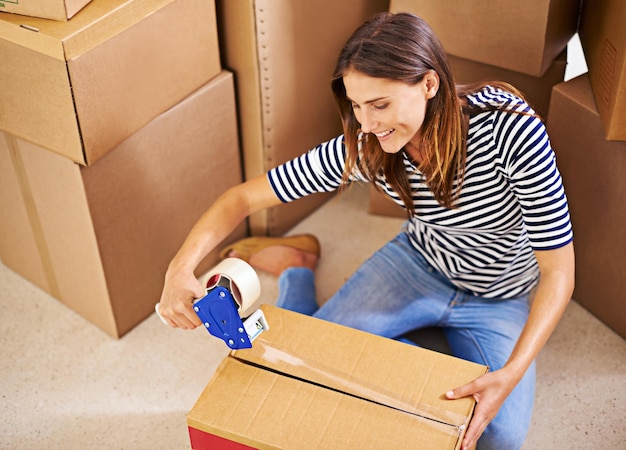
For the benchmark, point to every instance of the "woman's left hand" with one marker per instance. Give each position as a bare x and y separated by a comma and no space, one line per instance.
489,391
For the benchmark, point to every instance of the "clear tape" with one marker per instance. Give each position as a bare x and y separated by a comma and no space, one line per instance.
324,375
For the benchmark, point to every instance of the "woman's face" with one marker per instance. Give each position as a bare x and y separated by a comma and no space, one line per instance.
391,110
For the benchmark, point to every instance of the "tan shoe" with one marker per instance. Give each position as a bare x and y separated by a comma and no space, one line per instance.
249,246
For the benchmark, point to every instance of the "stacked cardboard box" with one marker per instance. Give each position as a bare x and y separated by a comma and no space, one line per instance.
536,89
587,127
524,37
524,44
99,238
521,43
283,54
50,9
603,37
594,174
118,129
81,87
311,384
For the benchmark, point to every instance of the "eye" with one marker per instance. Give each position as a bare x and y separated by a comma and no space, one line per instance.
355,106
382,106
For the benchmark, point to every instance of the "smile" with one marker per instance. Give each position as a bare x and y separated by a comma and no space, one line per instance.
384,133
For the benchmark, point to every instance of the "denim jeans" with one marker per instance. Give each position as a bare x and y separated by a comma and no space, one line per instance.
396,291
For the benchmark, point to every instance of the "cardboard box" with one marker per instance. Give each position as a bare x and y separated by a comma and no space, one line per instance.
594,175
311,384
521,36
99,238
81,87
536,89
49,9
603,38
283,60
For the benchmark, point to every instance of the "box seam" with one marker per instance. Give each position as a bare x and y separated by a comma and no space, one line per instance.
33,215
460,429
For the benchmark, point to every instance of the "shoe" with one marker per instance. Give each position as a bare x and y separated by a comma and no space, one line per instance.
249,246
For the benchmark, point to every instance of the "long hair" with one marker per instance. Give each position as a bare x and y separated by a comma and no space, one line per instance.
403,47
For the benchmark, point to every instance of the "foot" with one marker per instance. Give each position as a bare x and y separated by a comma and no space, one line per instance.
276,258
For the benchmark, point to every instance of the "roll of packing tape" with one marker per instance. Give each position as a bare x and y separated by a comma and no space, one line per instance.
243,281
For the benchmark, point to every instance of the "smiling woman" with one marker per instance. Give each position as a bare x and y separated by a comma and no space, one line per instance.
487,219
436,140
396,113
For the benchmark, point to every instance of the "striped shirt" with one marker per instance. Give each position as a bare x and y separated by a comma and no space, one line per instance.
512,201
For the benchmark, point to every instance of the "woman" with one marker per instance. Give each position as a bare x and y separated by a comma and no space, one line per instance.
487,219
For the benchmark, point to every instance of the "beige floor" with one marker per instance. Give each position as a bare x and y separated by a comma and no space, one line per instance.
67,385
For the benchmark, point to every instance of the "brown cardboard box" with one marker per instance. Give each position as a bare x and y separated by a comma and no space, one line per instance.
283,55
594,174
311,384
81,87
603,38
536,89
48,9
99,238
524,36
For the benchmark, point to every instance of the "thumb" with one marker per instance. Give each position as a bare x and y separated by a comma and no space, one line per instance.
460,392
199,290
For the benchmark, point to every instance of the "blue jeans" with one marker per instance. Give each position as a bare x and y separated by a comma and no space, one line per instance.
396,291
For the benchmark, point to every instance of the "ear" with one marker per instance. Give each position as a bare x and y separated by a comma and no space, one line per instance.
431,83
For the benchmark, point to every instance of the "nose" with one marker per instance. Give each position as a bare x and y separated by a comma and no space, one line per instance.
366,121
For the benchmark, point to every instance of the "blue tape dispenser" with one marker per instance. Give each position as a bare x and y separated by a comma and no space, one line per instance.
232,287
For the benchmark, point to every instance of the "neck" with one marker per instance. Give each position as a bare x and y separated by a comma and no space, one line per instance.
415,153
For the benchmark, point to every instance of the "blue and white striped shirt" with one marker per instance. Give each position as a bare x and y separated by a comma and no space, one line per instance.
512,200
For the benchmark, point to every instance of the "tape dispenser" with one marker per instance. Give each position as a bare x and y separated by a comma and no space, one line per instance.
231,288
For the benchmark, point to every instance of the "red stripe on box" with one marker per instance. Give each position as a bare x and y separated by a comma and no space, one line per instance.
201,440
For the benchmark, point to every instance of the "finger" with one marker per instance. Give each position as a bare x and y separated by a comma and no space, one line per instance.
184,323
199,291
186,318
180,316
170,322
468,442
164,314
471,435
474,432
463,391
483,414
193,318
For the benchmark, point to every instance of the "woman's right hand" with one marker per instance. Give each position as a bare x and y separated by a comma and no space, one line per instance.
179,292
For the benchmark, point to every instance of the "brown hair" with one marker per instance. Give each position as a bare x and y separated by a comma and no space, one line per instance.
403,47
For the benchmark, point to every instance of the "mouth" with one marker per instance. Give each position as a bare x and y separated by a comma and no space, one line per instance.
384,134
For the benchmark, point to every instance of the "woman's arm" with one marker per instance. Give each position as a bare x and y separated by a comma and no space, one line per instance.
552,296
318,170
554,292
181,285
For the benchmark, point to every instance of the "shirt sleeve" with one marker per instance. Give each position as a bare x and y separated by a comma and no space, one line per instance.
318,170
535,179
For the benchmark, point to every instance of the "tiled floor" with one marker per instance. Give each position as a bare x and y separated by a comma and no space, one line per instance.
64,384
